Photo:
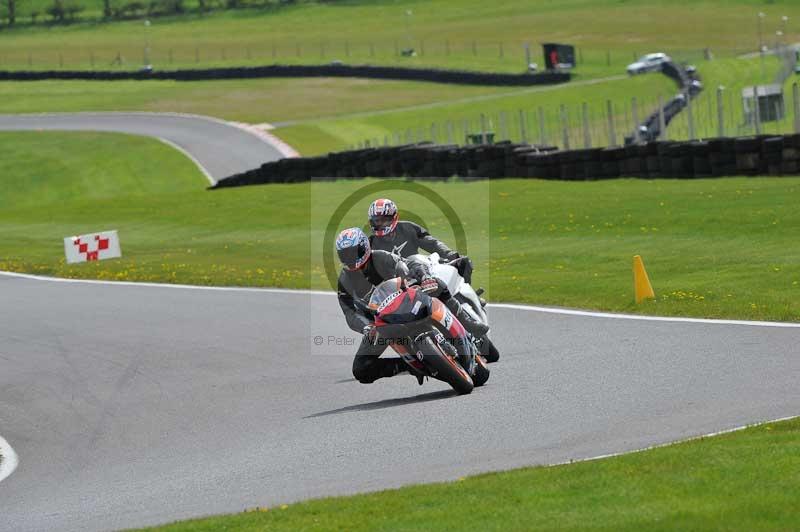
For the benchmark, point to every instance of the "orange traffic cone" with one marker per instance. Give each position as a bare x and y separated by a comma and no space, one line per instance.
641,283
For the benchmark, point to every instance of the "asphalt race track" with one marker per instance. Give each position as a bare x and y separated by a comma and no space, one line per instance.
137,405
222,149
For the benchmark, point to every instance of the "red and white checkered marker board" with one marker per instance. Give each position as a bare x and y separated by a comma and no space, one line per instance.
92,247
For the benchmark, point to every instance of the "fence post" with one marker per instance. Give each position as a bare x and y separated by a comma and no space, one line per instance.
720,114
690,116
635,117
662,120
483,129
612,131
542,133
587,137
527,56
796,107
564,127
523,135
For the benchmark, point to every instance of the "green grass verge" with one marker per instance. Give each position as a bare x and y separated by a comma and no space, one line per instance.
254,101
745,480
713,248
442,31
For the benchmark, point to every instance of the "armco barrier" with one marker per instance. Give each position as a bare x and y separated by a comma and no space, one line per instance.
462,77
762,155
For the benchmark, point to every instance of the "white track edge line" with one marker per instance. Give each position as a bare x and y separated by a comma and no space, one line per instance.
10,459
611,315
512,306
296,291
671,443
190,157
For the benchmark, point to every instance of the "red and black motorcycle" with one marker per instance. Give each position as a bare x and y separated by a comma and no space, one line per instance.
428,337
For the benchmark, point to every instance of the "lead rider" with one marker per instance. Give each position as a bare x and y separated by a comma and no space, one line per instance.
362,270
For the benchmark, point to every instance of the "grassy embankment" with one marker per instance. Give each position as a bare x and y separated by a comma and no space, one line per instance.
442,31
326,115
741,481
715,248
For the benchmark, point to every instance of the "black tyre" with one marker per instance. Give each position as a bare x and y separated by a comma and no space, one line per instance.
489,351
444,367
481,371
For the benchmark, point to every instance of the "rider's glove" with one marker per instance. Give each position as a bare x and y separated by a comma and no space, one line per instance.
453,255
429,285
369,332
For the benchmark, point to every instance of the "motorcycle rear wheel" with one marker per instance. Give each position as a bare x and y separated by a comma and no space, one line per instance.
481,374
489,351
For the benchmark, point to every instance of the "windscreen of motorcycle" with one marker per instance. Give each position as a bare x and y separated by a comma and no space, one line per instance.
393,304
385,293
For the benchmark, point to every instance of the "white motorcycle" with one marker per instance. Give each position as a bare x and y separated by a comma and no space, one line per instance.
463,292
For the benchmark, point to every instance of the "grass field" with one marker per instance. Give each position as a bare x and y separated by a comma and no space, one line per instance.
442,31
741,481
713,248
321,115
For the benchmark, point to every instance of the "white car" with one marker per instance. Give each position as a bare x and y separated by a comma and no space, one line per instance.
648,63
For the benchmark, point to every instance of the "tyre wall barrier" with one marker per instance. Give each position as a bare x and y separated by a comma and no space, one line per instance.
462,77
716,157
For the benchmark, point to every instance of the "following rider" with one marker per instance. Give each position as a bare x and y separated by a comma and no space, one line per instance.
406,238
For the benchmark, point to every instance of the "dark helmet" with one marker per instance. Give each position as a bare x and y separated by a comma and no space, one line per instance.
353,248
382,216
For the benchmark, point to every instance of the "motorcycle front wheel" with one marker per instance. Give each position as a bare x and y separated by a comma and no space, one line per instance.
443,367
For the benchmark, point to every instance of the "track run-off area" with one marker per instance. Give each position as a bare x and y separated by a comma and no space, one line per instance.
135,404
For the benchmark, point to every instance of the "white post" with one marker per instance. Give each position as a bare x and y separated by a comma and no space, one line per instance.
564,128
587,137
796,107
542,132
612,132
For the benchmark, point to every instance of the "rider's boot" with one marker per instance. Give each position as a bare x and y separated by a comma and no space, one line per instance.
405,368
474,327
